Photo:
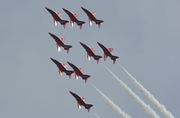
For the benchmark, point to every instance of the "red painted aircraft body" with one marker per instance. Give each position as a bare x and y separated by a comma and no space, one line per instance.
62,68
73,18
92,17
81,102
107,52
90,53
78,72
60,43
56,18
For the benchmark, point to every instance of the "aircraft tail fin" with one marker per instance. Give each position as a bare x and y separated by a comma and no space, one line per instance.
99,22
63,22
69,73
67,47
114,58
97,58
88,107
80,23
85,77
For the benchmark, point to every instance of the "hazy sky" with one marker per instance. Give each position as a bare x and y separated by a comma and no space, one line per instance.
144,34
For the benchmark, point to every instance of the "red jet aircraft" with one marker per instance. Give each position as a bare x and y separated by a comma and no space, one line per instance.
73,18
92,17
90,52
60,42
62,68
107,52
81,102
78,72
56,18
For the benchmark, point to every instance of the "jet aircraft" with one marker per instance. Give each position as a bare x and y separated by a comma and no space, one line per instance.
60,43
78,72
56,18
90,52
107,52
81,102
92,17
62,68
73,18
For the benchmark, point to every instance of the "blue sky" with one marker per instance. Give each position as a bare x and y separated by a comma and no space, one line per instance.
144,34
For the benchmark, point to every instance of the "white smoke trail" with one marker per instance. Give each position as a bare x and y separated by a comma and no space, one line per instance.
96,115
115,107
146,107
161,107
